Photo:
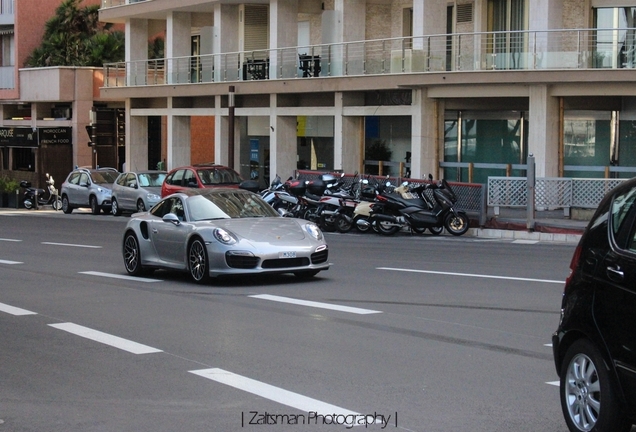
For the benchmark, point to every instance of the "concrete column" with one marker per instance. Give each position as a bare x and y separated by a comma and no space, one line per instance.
428,17
283,32
178,44
543,131
282,142
178,139
221,123
226,18
348,139
136,140
426,127
352,26
136,45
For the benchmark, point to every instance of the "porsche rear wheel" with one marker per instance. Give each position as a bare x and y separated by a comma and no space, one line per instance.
198,263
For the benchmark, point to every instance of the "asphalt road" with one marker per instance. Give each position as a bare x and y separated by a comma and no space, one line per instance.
423,333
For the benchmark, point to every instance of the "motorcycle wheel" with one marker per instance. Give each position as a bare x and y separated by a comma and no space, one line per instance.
360,228
418,230
57,204
456,225
327,224
311,214
344,223
436,230
28,204
386,228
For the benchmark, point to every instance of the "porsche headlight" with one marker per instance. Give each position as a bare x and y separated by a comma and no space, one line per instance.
313,231
224,237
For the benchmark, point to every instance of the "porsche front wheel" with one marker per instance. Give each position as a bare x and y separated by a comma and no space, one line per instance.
198,263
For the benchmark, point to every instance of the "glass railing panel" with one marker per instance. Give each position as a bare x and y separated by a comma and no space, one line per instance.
7,77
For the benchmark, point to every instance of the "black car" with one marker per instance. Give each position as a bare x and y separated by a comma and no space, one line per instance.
594,346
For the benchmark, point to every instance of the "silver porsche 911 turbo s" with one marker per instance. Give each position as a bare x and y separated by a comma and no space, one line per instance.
216,232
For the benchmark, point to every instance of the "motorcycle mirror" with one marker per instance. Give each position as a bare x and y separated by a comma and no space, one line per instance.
405,183
430,176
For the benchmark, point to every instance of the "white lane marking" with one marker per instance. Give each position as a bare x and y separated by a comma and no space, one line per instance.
10,262
553,383
10,240
15,310
526,241
473,275
276,394
118,276
105,338
348,309
71,245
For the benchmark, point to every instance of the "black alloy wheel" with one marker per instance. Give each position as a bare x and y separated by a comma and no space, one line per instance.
457,224
198,263
132,255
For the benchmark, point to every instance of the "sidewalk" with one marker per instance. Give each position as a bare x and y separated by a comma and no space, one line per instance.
549,225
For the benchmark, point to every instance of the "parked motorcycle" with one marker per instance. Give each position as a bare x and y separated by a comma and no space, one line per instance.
356,213
392,212
278,197
35,197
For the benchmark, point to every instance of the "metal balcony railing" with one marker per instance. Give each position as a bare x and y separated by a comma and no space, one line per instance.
111,3
492,51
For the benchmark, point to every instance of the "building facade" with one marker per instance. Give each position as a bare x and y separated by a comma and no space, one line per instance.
463,89
44,112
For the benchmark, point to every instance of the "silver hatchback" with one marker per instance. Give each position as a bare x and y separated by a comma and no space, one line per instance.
136,191
86,187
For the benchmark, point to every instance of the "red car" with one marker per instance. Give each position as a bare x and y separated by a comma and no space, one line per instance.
199,176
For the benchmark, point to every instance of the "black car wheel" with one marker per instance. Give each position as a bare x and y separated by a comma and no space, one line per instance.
94,207
198,261
115,210
66,206
140,206
132,255
588,393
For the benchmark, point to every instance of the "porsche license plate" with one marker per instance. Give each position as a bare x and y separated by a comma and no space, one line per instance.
287,255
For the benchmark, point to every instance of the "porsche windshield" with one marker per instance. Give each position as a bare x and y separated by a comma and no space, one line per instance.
226,205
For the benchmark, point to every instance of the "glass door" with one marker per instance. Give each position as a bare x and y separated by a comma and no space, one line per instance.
506,21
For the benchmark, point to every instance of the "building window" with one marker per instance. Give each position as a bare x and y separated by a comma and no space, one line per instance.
615,37
23,159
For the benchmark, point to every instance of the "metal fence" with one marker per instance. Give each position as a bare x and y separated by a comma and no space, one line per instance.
550,192
483,51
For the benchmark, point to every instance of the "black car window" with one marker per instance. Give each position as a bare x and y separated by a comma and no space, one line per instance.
74,178
623,218
104,177
175,178
151,179
163,208
83,179
189,180
177,208
121,180
216,176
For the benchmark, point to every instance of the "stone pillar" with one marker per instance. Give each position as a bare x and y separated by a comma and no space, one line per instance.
226,18
428,18
426,130
283,32
282,142
136,140
348,139
178,44
136,45
543,131
221,123
178,139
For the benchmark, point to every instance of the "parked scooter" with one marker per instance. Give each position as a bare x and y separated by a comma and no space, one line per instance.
357,213
392,212
34,197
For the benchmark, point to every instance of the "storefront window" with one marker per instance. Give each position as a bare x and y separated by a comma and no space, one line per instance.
586,140
23,159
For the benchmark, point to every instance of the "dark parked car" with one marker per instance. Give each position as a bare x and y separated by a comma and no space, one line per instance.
594,346
199,176
86,187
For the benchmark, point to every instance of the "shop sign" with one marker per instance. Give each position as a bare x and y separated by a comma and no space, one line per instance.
55,135
18,137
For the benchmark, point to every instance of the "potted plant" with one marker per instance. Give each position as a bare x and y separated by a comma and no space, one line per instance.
8,188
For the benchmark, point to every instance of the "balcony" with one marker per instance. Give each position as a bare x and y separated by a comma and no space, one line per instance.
493,51
112,3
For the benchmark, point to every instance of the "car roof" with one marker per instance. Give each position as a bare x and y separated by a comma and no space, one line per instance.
208,191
